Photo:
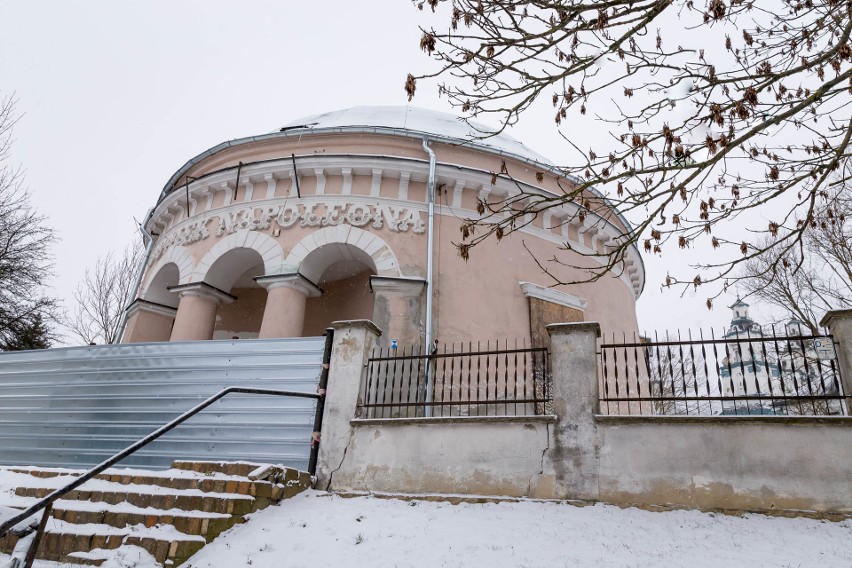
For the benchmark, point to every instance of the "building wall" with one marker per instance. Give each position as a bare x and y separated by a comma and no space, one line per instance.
348,299
241,319
477,299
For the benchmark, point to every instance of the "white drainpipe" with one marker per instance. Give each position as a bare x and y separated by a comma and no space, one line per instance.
430,190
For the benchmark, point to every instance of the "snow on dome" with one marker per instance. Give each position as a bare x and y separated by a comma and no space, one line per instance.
418,121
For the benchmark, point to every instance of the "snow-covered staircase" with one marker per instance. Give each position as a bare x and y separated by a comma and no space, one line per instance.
169,514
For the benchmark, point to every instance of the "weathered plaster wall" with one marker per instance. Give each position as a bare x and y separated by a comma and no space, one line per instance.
468,455
544,313
144,327
241,318
347,299
771,463
737,463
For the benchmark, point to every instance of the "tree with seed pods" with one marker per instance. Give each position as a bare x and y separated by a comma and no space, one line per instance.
728,120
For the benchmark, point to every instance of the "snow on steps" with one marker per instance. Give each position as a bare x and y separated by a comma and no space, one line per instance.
168,514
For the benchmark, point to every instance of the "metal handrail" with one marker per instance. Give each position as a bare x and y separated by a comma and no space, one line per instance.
47,502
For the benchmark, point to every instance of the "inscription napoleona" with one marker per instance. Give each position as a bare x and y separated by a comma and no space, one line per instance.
398,219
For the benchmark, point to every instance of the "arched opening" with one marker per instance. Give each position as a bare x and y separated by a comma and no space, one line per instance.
234,273
152,316
158,290
343,273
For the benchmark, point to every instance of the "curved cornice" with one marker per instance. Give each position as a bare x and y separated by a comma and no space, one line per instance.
299,133
169,214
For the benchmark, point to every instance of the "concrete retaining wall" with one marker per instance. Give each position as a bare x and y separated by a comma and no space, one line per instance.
771,463
468,455
731,462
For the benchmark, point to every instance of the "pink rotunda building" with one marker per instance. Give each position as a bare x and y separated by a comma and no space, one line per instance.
327,219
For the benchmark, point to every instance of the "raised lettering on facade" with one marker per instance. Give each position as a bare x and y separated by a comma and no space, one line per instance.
399,219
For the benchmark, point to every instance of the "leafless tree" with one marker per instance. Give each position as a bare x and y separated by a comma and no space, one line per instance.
25,259
813,278
670,379
715,109
103,295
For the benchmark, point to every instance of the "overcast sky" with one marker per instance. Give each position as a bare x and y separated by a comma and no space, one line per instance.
116,96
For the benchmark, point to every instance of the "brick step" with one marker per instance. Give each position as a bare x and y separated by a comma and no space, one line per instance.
230,484
208,525
124,555
184,479
168,514
62,540
242,469
261,484
133,494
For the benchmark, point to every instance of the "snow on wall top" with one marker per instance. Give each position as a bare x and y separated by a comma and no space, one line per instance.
418,121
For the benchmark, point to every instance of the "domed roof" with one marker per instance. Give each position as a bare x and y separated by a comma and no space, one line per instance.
417,122
400,120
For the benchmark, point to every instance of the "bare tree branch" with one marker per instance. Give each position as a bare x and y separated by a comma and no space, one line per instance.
730,121
103,295
809,280
25,260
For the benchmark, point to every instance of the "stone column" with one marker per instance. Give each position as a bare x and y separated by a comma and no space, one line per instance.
571,464
148,321
196,313
398,309
839,324
286,295
353,343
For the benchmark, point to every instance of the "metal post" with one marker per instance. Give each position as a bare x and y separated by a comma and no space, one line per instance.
31,553
323,383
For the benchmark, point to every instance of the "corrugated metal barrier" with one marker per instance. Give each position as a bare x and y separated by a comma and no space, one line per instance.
77,406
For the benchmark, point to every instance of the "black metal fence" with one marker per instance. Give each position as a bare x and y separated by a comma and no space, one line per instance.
473,380
739,373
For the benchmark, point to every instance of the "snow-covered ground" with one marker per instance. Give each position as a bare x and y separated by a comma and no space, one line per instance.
317,529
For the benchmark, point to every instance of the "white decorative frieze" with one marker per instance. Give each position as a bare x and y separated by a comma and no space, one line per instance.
404,178
457,193
271,185
395,218
547,294
210,194
294,183
229,192
320,174
375,187
347,180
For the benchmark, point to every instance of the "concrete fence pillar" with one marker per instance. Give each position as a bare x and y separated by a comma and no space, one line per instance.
570,465
839,324
352,345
